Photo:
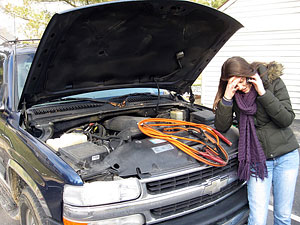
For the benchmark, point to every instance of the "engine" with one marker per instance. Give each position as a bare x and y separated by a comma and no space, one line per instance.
115,146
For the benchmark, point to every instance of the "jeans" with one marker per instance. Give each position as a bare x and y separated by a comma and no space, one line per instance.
282,176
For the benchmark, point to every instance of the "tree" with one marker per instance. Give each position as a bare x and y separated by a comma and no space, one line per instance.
75,3
212,3
37,20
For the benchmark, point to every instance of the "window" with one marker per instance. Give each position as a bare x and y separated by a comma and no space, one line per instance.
23,65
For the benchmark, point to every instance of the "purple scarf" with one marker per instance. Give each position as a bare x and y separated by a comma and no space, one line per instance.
252,160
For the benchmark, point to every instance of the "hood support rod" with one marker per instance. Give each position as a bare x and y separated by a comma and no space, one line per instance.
192,97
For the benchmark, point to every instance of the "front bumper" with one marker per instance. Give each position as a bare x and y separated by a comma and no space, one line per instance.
232,209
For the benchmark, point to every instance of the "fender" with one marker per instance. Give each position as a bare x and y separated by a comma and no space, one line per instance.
14,166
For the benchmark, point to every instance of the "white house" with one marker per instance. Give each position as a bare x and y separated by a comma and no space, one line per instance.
271,32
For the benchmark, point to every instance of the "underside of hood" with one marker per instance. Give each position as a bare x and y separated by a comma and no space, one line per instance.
155,43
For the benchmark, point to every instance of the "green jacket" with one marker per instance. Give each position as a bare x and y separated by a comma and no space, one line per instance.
272,120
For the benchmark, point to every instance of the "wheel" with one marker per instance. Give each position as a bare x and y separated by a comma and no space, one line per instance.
31,211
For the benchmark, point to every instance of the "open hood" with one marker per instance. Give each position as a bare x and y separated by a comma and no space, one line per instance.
153,43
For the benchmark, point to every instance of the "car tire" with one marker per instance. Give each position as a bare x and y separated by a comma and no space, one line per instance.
31,211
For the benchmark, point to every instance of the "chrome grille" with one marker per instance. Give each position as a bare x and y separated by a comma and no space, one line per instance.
193,203
190,179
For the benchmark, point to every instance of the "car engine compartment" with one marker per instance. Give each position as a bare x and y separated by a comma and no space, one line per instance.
107,144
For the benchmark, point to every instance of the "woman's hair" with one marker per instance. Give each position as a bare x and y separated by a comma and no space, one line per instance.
234,66
273,70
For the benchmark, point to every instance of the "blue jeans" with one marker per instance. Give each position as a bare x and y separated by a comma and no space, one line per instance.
282,176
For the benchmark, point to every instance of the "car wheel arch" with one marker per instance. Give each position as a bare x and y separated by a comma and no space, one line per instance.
19,179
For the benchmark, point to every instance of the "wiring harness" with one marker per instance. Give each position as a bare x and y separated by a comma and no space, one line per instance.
211,153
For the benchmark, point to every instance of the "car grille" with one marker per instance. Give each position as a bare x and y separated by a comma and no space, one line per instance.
190,179
193,203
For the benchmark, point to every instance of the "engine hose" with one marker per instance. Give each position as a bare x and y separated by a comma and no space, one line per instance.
162,128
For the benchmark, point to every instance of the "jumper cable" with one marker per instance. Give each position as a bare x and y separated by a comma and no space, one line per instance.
162,128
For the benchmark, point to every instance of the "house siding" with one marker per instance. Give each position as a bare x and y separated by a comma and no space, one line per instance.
271,32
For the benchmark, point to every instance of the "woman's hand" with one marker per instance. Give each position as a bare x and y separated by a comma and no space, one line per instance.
258,84
231,87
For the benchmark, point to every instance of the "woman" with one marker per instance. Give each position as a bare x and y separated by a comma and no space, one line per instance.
267,151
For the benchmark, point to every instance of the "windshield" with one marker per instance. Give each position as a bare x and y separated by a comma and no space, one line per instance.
107,94
23,65
115,93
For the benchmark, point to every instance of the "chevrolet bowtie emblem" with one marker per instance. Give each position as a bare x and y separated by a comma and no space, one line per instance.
215,185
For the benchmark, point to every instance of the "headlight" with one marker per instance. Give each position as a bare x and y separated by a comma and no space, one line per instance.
102,192
136,219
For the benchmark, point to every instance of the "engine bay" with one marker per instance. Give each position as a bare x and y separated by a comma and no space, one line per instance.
101,146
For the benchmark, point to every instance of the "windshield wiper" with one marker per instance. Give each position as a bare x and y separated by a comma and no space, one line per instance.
80,99
119,101
133,95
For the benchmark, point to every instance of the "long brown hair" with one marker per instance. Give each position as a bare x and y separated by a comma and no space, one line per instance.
234,66
273,70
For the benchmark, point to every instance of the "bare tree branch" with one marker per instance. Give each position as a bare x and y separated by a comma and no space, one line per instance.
14,13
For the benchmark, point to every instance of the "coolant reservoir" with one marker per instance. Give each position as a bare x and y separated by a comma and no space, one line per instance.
67,139
177,114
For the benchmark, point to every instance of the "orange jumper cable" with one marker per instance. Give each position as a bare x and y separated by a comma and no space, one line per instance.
210,156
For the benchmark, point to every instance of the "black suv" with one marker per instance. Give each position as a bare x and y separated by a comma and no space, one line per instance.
70,148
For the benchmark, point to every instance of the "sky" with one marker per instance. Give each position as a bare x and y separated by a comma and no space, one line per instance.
10,27
6,24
